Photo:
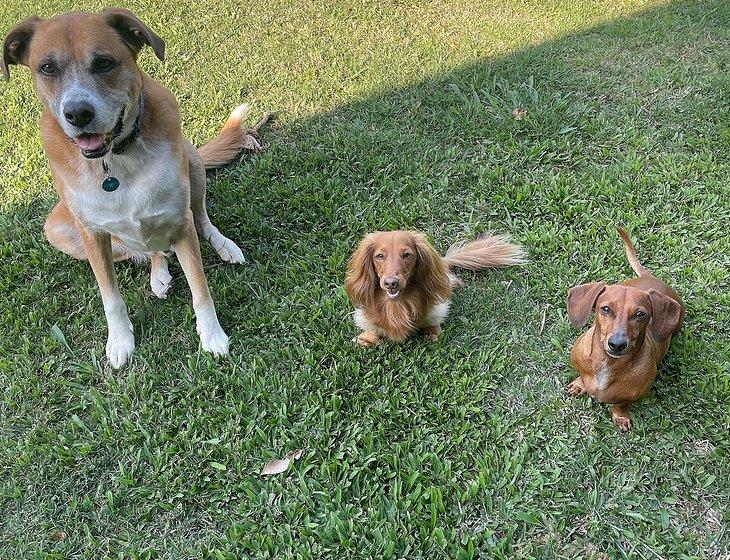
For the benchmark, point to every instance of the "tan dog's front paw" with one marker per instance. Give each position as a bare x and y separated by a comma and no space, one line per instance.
368,339
120,346
576,388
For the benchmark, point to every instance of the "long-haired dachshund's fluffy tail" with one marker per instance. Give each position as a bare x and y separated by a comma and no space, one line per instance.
631,254
234,138
485,252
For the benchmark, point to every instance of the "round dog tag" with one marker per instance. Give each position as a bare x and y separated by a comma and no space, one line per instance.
110,184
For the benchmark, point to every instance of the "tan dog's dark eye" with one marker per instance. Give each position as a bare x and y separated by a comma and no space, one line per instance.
380,256
47,68
605,310
102,64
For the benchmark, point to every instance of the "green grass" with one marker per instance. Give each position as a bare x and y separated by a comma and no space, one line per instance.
390,115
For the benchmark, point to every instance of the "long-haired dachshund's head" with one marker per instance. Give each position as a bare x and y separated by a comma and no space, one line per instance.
393,262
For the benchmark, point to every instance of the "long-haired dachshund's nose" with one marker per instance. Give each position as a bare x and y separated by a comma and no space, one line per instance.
79,113
391,283
617,343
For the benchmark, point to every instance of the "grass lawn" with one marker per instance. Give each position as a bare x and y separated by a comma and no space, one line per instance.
390,115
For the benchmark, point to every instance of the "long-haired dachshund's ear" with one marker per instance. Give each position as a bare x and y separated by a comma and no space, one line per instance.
432,273
361,280
17,43
581,301
666,315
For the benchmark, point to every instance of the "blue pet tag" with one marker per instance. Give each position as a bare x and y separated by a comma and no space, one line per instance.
109,184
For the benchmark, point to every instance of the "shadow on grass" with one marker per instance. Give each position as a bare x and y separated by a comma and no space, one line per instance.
626,123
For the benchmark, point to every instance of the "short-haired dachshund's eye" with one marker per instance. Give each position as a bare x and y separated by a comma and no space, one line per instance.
605,310
47,69
102,64
379,256
640,314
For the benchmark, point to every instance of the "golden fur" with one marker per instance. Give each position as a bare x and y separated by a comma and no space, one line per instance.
400,283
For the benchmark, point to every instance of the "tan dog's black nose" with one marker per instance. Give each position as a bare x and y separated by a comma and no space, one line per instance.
391,283
79,113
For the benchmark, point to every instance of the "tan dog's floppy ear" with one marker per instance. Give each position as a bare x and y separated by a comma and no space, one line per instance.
17,43
665,315
133,32
432,273
581,300
362,280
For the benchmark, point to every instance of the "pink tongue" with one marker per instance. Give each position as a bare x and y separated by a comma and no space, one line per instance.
90,141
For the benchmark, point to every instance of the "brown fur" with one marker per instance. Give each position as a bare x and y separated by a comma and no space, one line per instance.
423,280
643,311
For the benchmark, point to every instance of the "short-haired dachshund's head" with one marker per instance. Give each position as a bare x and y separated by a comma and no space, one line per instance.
623,315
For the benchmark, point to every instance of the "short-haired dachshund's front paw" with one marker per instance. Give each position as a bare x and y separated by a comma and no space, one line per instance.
576,388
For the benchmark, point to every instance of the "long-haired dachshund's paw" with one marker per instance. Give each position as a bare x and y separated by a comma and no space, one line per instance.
368,340
576,388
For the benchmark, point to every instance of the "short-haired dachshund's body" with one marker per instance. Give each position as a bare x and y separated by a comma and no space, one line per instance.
617,357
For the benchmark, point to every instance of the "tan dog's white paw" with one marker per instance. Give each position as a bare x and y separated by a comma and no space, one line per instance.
120,346
230,252
160,281
213,339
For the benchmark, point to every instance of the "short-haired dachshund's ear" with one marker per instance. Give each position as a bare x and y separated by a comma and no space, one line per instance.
133,32
666,313
581,300
362,280
17,44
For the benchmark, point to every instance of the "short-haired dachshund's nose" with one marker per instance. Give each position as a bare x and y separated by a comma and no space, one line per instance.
618,343
79,113
391,282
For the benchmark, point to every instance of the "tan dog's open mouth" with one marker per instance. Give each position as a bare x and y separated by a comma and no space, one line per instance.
95,145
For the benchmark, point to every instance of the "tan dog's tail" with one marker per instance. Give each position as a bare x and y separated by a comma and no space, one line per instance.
631,254
487,251
234,138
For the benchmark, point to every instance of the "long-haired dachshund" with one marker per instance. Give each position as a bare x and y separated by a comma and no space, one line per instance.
617,357
400,284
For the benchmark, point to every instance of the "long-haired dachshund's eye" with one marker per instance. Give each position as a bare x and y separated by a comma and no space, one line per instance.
379,256
407,255
640,314
606,310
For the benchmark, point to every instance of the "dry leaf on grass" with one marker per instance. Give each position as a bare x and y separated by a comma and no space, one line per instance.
278,466
519,113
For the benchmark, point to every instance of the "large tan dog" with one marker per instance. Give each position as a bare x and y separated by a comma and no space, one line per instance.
130,184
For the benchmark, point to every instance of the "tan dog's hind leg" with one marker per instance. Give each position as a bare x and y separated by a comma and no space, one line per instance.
368,339
120,344
431,333
160,278
576,388
187,248
620,416
227,250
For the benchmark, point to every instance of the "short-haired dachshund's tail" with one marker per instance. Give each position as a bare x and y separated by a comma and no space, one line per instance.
631,254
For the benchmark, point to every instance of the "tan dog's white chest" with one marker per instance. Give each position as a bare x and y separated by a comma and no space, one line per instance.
150,204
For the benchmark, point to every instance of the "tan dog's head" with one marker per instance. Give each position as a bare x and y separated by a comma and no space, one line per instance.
85,71
623,314
392,261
